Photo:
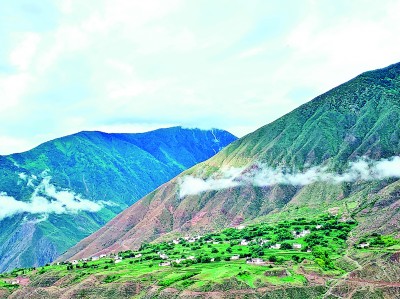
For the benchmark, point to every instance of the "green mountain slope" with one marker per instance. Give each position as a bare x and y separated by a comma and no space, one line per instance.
356,119
104,173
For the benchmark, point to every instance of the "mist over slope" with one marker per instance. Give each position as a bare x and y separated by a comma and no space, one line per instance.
61,191
334,135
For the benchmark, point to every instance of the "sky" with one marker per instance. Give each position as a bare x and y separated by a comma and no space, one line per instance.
134,66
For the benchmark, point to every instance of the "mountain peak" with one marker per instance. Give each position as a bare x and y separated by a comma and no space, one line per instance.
360,118
68,187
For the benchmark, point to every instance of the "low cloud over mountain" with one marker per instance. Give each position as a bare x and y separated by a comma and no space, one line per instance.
261,175
46,199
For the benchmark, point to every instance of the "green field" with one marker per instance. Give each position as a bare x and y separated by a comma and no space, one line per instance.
203,263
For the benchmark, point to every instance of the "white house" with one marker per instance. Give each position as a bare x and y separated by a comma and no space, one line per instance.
163,256
138,255
244,242
103,255
318,226
191,257
256,261
95,258
296,246
164,264
303,233
363,245
276,246
117,261
235,257
74,262
176,241
178,261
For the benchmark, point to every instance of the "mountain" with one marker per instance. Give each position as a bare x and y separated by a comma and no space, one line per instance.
333,154
61,191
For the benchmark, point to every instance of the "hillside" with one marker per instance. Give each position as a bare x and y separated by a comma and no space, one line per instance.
61,191
300,258
354,122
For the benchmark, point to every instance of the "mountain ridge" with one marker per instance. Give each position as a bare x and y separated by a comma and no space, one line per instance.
358,118
106,169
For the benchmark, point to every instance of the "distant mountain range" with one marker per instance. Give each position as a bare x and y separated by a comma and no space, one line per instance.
61,191
337,153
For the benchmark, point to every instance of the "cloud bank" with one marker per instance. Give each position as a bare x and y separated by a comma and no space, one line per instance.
261,175
46,199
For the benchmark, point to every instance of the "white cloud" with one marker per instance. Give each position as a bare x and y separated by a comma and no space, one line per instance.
12,88
23,176
251,52
35,220
23,54
261,175
205,64
13,145
128,127
46,199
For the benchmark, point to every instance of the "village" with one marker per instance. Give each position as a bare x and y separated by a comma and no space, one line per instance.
200,240
270,248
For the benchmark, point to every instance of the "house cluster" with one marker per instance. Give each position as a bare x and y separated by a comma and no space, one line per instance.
278,246
117,259
244,242
178,261
275,246
212,241
187,239
163,256
301,234
256,261
296,246
261,242
20,280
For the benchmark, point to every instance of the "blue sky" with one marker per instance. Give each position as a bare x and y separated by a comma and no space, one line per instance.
132,66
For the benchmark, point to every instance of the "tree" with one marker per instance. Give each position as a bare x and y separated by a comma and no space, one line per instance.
272,259
286,246
295,258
